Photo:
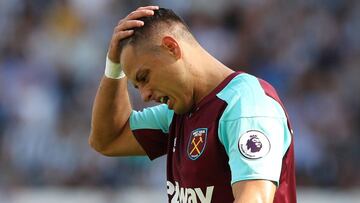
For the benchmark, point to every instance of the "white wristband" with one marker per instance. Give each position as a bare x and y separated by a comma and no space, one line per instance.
113,70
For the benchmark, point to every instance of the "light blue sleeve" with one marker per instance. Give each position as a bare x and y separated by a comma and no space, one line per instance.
253,130
156,117
246,165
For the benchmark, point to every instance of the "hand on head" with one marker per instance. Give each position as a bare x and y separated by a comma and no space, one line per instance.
125,27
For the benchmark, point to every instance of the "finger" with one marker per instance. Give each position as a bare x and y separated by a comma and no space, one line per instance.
139,14
125,25
126,33
148,8
113,51
122,35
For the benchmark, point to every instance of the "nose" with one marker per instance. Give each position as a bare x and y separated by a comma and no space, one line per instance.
146,93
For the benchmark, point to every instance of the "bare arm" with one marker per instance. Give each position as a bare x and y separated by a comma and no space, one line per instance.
254,191
111,134
110,130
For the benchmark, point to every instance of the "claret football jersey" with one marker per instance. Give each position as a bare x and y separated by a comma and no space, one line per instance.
240,131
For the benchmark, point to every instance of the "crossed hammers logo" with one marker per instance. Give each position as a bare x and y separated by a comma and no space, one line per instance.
196,144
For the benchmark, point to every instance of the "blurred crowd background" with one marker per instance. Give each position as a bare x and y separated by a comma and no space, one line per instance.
52,56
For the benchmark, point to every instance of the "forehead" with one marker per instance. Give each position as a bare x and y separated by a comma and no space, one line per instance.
132,61
128,59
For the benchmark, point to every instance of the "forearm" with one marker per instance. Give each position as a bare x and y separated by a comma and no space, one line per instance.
110,130
111,110
254,191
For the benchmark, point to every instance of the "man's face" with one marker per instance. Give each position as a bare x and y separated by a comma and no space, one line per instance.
159,77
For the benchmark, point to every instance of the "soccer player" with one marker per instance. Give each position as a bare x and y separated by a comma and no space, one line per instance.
226,134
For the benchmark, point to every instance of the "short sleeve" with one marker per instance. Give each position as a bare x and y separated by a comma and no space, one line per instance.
255,146
253,130
151,127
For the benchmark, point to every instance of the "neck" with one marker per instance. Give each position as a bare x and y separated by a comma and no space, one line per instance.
208,73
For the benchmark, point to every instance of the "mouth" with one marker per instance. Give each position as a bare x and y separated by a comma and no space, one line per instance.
164,100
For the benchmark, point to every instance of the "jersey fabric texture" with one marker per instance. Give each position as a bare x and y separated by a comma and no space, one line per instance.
240,131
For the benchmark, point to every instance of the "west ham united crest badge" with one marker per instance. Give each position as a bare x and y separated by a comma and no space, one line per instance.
197,143
254,144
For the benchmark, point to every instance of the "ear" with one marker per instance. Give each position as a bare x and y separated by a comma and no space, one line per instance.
172,46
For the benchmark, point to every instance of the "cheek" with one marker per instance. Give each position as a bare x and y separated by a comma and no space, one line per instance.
187,101
184,92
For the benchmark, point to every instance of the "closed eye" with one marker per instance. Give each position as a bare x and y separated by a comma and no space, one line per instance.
142,76
142,79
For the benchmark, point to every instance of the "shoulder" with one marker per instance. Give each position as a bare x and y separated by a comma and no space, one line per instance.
245,97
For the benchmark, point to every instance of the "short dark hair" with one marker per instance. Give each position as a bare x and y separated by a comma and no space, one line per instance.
162,15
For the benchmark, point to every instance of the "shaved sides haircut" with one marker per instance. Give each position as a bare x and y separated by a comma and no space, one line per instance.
163,20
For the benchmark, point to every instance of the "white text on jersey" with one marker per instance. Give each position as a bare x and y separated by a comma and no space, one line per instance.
188,195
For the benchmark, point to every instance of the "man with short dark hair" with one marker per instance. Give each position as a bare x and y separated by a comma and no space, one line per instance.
225,133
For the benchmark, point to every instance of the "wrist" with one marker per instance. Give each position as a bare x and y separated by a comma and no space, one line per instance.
113,70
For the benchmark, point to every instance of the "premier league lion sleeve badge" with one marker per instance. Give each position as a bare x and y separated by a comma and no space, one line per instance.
254,144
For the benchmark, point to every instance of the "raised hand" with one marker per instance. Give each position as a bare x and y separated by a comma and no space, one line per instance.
124,29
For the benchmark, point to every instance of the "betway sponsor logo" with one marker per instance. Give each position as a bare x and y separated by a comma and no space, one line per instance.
188,195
